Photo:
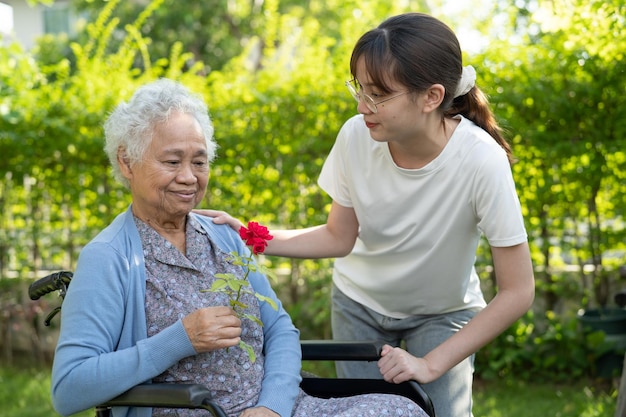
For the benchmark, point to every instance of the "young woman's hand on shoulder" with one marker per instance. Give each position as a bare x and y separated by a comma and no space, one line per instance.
221,217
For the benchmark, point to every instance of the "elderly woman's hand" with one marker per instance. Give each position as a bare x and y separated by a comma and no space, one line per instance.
221,217
258,412
212,328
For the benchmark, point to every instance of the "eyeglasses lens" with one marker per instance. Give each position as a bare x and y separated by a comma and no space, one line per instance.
360,95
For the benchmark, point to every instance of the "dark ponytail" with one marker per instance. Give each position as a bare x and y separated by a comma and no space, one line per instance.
475,107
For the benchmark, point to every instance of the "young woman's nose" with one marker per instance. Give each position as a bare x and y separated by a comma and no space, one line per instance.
362,107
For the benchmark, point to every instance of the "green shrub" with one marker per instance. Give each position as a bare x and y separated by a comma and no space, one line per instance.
545,348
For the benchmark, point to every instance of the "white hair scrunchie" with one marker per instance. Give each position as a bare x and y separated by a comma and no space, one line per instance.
467,81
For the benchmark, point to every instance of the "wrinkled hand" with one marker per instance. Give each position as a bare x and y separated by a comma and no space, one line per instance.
258,412
397,365
221,217
212,328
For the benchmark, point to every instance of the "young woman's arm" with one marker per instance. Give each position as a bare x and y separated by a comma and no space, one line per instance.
331,240
516,291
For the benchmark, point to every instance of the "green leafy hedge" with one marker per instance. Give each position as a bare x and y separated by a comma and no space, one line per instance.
277,108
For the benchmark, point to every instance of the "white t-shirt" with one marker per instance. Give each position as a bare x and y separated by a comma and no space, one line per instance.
419,228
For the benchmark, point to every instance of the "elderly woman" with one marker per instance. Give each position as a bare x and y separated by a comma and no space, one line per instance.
135,311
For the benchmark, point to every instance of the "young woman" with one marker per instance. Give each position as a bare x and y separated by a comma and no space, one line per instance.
415,179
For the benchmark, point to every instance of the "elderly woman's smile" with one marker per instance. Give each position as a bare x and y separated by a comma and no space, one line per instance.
172,177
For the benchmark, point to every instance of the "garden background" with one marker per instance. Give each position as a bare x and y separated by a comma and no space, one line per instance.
272,73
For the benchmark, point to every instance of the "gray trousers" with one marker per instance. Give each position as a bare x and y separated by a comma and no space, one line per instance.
451,393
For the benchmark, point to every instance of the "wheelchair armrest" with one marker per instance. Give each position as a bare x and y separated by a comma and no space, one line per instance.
345,387
321,350
167,396
341,387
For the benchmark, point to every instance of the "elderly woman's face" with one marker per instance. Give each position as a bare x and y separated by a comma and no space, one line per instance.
172,178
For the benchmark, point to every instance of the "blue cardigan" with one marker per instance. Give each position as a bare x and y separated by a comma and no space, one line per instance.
103,348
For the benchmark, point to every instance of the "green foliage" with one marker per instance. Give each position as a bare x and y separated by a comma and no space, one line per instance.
559,90
26,393
216,32
548,348
555,75
521,399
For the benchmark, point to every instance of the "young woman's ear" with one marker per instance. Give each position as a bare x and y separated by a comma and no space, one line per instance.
434,97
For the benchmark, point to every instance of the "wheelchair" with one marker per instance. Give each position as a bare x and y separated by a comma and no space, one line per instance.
197,396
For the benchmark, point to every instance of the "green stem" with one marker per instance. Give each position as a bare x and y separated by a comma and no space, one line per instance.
245,278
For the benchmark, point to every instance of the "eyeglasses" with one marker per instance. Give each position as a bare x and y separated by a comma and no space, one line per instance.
369,101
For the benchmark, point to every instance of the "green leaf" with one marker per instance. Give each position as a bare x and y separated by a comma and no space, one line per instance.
268,272
239,262
224,276
237,303
254,319
248,349
236,284
218,285
268,300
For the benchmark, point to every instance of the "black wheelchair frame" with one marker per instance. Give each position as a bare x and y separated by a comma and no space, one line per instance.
197,396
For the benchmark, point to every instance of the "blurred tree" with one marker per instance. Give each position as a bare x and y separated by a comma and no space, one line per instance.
559,82
216,31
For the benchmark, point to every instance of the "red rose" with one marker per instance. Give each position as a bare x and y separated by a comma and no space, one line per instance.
255,236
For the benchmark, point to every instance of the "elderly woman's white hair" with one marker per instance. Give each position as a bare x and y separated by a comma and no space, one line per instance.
130,125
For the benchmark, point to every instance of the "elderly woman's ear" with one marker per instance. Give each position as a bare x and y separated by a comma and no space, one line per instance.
123,162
